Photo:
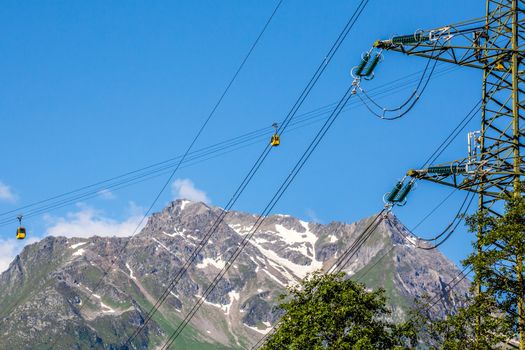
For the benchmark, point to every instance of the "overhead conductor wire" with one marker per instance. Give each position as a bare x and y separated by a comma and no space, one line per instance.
340,262
350,252
451,285
143,177
432,158
411,100
271,204
347,255
354,248
196,137
304,94
194,157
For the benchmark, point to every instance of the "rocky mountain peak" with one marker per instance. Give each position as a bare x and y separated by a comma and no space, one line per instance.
99,289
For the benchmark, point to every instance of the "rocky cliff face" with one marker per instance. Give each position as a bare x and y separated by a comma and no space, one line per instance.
51,295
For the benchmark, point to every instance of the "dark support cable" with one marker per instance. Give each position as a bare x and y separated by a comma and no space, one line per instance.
304,94
189,148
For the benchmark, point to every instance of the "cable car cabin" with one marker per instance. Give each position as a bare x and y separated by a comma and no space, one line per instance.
20,233
275,141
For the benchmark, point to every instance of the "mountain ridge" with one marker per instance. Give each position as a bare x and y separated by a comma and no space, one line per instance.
50,284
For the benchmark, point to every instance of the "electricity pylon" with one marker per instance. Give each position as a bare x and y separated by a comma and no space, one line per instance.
494,166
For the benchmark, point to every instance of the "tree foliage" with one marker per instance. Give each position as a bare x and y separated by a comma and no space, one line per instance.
491,318
331,312
499,262
478,326
327,311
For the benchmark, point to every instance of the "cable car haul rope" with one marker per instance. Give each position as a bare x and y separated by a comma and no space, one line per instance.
398,196
328,123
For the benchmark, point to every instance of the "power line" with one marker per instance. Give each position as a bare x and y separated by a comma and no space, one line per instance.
366,234
271,204
354,248
451,227
451,285
157,169
459,218
434,156
350,252
413,99
341,261
302,97
194,140
433,211
209,152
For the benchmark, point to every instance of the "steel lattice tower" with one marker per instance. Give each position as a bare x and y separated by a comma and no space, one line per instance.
494,44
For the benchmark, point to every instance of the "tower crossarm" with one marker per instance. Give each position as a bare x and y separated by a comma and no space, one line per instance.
468,174
478,43
494,44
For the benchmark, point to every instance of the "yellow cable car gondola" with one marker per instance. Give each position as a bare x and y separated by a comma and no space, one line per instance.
276,140
20,231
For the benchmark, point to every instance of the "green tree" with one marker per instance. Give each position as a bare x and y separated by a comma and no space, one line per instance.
478,326
329,311
495,315
499,262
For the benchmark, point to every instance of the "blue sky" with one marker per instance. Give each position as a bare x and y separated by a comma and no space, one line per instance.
95,89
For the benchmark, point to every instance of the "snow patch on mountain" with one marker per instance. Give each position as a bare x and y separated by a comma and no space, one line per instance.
218,263
240,229
274,278
291,237
176,232
303,242
163,246
131,272
184,203
233,296
262,331
79,252
75,246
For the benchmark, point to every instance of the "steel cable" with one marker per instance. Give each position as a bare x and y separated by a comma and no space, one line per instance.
304,94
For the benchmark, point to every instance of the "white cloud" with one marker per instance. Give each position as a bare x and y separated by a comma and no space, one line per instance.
106,194
185,189
6,194
312,216
85,222
9,248
89,222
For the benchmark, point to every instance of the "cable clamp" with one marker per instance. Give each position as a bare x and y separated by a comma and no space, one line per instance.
356,85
